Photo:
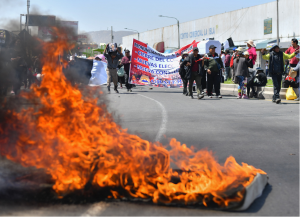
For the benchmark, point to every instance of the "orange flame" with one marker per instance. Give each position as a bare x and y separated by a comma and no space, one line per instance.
76,141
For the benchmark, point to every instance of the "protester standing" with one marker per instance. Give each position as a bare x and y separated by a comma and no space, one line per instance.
240,71
276,68
183,73
294,61
252,51
126,61
297,69
213,65
112,67
194,72
227,65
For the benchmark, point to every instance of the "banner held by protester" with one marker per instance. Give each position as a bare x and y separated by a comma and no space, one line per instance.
150,67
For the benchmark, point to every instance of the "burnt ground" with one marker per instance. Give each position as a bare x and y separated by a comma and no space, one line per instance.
256,132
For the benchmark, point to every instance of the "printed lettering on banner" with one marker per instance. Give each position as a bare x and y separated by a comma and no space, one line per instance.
150,67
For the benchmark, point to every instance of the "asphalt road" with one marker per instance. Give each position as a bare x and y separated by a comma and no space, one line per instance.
257,132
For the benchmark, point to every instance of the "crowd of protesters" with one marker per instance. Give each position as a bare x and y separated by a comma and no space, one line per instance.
209,69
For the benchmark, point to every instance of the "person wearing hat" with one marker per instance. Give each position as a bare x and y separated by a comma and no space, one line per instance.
296,75
276,60
183,70
195,69
213,65
126,61
252,51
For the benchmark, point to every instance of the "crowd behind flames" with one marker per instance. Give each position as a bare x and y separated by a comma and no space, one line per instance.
21,66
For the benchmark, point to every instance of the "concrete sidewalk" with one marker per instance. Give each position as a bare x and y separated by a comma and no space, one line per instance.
263,92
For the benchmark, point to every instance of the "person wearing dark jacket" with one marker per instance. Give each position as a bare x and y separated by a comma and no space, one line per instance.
194,72
276,60
257,79
213,65
227,65
126,61
251,74
241,72
182,72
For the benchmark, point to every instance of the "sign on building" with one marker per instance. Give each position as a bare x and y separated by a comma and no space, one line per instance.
40,20
268,26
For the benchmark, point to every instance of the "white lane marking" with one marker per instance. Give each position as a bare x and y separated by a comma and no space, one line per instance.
163,127
96,209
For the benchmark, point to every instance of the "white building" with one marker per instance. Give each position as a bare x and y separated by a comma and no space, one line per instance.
258,23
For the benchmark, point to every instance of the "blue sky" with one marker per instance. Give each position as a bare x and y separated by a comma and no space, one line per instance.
142,15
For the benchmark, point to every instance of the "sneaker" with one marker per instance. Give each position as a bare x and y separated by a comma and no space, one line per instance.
127,90
220,97
210,97
192,97
278,101
296,99
108,89
245,97
200,96
273,100
130,90
239,97
202,93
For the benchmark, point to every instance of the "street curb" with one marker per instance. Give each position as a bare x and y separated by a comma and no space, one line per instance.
263,92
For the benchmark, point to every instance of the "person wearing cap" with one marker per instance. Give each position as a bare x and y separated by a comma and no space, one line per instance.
126,61
297,69
227,65
183,70
213,65
252,51
112,67
294,61
195,68
276,60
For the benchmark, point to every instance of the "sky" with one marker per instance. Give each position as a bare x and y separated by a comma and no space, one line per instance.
94,15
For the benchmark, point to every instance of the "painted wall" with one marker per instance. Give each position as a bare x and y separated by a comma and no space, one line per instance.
241,25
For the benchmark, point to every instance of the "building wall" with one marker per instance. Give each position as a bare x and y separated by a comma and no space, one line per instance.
241,25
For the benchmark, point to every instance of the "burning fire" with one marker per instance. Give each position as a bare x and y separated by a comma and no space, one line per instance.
76,141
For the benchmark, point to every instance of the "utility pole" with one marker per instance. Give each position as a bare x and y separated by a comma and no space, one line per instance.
277,23
28,6
112,36
177,26
178,34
